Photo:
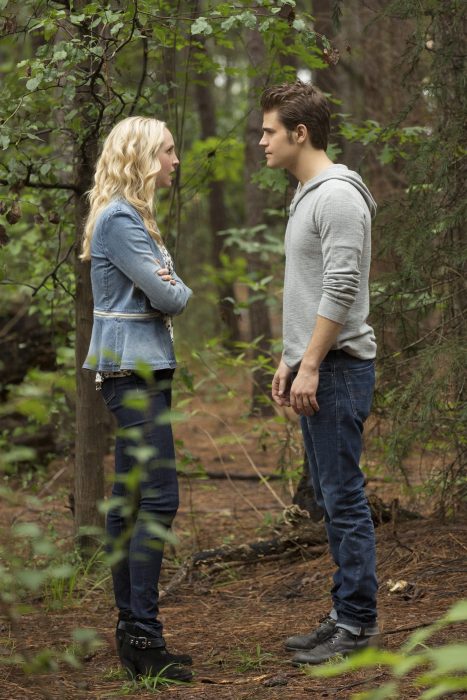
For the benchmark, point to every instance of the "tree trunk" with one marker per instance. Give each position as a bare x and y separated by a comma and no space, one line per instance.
92,419
336,80
217,209
255,204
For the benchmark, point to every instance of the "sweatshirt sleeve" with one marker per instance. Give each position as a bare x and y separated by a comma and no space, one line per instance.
125,242
340,220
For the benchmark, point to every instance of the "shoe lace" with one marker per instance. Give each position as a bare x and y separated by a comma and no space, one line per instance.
326,618
337,635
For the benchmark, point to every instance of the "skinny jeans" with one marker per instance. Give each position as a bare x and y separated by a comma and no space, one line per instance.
333,442
145,492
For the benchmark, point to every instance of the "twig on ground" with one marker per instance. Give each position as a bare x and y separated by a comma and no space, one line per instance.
409,628
237,491
252,464
356,683
227,475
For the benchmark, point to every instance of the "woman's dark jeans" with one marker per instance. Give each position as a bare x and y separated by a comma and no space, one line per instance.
145,491
333,442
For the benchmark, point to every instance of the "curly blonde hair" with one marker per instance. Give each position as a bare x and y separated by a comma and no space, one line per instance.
127,168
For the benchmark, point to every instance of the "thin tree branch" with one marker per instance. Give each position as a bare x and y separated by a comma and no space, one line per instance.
46,185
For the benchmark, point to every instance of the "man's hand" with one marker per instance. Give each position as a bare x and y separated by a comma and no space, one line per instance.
281,385
303,392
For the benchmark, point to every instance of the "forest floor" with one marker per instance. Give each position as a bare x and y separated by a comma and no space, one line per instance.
233,617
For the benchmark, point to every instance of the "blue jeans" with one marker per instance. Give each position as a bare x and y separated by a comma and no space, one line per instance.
145,492
333,442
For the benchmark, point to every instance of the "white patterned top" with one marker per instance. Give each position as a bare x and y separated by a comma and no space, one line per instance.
168,263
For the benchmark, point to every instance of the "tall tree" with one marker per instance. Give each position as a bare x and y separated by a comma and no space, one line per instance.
92,421
255,204
218,218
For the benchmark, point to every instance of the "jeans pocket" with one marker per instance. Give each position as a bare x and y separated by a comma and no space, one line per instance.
108,390
360,383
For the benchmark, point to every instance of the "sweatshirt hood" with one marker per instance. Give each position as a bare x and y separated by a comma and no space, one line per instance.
335,172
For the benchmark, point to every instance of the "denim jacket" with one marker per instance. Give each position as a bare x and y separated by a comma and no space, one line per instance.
130,298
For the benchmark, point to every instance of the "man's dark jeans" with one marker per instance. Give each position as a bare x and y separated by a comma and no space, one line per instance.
333,442
145,492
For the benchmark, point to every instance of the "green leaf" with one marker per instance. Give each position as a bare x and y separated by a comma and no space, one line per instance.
33,83
91,8
383,692
116,28
84,635
366,658
162,533
31,578
299,25
387,155
445,686
271,179
27,530
407,663
458,612
34,408
449,658
201,26
228,23
19,454
60,55
136,400
50,29
248,19
142,454
62,571
77,19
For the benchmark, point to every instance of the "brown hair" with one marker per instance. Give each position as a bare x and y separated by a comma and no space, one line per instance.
300,103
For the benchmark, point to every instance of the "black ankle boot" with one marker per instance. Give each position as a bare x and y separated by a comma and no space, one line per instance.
184,659
123,620
144,655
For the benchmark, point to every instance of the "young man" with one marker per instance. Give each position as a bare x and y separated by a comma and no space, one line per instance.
326,373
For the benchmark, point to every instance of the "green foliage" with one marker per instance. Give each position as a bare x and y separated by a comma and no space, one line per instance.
436,670
33,568
252,661
271,179
395,141
151,684
417,303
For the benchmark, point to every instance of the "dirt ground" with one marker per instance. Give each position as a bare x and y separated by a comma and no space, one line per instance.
233,618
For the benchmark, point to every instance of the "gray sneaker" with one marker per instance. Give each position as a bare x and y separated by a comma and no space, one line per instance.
300,642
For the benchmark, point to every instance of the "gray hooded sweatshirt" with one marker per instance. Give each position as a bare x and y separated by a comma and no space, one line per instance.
328,251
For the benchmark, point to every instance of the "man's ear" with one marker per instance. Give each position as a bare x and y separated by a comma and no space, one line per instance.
302,133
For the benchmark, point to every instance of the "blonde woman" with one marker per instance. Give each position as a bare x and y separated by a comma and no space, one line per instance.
136,292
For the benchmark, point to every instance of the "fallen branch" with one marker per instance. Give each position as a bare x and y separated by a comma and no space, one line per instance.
410,628
309,535
298,533
229,475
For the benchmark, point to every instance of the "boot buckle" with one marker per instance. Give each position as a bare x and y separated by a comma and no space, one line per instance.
141,642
